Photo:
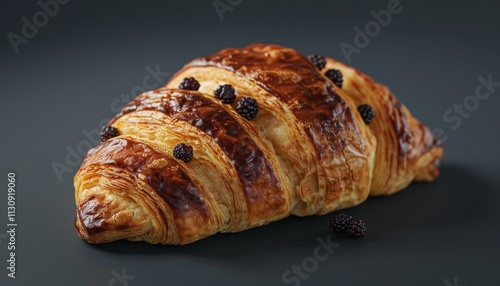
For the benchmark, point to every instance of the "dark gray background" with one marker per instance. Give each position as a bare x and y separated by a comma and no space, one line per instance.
65,78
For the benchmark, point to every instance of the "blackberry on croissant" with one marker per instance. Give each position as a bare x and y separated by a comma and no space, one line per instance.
245,137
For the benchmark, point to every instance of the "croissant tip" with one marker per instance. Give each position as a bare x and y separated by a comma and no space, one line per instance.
104,218
82,232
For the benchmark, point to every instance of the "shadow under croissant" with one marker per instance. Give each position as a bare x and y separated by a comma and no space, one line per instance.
455,197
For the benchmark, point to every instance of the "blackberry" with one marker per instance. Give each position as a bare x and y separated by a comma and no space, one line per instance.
225,93
189,83
340,223
356,229
366,112
108,132
335,76
318,60
183,152
247,107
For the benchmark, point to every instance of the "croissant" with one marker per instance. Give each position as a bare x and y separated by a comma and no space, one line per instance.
308,150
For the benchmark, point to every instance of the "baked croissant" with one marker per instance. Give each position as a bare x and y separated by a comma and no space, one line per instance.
293,141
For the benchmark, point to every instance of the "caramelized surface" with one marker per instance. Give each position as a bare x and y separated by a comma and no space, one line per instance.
307,152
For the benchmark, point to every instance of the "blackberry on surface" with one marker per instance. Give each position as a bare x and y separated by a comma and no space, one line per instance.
108,132
335,76
225,93
366,112
356,229
247,107
340,223
318,60
189,83
183,152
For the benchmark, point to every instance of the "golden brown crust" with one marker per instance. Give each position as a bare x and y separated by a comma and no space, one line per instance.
292,79
307,152
163,173
185,199
342,153
418,151
261,186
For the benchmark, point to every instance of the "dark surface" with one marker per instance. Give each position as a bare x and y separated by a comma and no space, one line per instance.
75,71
